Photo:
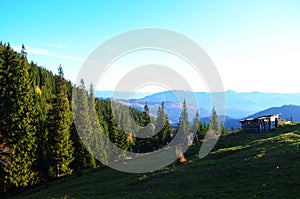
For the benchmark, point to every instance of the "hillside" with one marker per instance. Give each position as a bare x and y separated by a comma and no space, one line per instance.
241,166
40,136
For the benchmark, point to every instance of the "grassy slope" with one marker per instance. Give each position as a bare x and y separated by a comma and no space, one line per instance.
241,166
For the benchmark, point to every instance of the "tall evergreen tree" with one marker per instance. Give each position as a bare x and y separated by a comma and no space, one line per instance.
163,126
79,151
214,122
17,118
98,142
184,118
84,125
223,128
42,136
196,122
146,119
202,129
60,121
110,129
146,130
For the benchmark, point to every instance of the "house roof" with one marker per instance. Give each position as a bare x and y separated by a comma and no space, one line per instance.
260,117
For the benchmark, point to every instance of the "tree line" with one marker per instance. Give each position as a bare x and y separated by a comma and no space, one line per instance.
49,126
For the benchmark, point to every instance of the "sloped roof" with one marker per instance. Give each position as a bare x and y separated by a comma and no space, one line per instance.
260,117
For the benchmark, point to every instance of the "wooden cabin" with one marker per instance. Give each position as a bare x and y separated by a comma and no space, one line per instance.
260,124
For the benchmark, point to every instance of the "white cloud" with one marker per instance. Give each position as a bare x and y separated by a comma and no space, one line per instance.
47,53
40,51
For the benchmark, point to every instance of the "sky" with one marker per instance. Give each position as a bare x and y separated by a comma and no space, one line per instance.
255,45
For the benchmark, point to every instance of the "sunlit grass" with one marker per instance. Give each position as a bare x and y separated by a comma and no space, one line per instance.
229,149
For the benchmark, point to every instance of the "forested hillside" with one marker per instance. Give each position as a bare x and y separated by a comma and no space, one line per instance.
38,136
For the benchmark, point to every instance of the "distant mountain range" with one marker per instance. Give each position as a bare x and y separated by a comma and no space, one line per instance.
238,105
121,94
286,112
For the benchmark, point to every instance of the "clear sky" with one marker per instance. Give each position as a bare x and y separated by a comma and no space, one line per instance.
255,44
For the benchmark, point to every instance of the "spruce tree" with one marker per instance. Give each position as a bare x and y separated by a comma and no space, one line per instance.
42,137
83,124
223,128
79,148
146,116
160,118
202,130
163,127
196,124
146,130
196,120
108,126
60,121
17,119
184,119
97,141
214,122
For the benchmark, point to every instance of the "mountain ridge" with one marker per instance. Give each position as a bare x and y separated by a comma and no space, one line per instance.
286,112
238,104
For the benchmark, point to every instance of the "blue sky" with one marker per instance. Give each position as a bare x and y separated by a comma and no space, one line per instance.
254,44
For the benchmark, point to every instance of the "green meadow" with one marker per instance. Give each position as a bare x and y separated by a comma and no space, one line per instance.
264,165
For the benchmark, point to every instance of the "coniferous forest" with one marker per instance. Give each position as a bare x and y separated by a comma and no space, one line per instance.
38,137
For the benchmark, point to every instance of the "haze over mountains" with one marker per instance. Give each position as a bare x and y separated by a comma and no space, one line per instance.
238,104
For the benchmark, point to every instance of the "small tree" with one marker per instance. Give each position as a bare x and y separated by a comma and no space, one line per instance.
223,128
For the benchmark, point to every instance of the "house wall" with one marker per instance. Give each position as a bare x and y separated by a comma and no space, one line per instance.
260,124
251,127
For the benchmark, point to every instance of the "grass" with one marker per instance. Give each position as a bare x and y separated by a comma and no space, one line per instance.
264,165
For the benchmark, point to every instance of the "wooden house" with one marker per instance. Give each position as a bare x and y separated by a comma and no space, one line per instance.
260,124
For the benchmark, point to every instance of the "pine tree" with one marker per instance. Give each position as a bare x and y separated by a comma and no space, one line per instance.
108,125
196,121
223,128
184,119
162,127
80,131
146,119
196,124
60,121
17,119
42,137
84,125
202,130
214,122
146,130
100,106
160,118
98,141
